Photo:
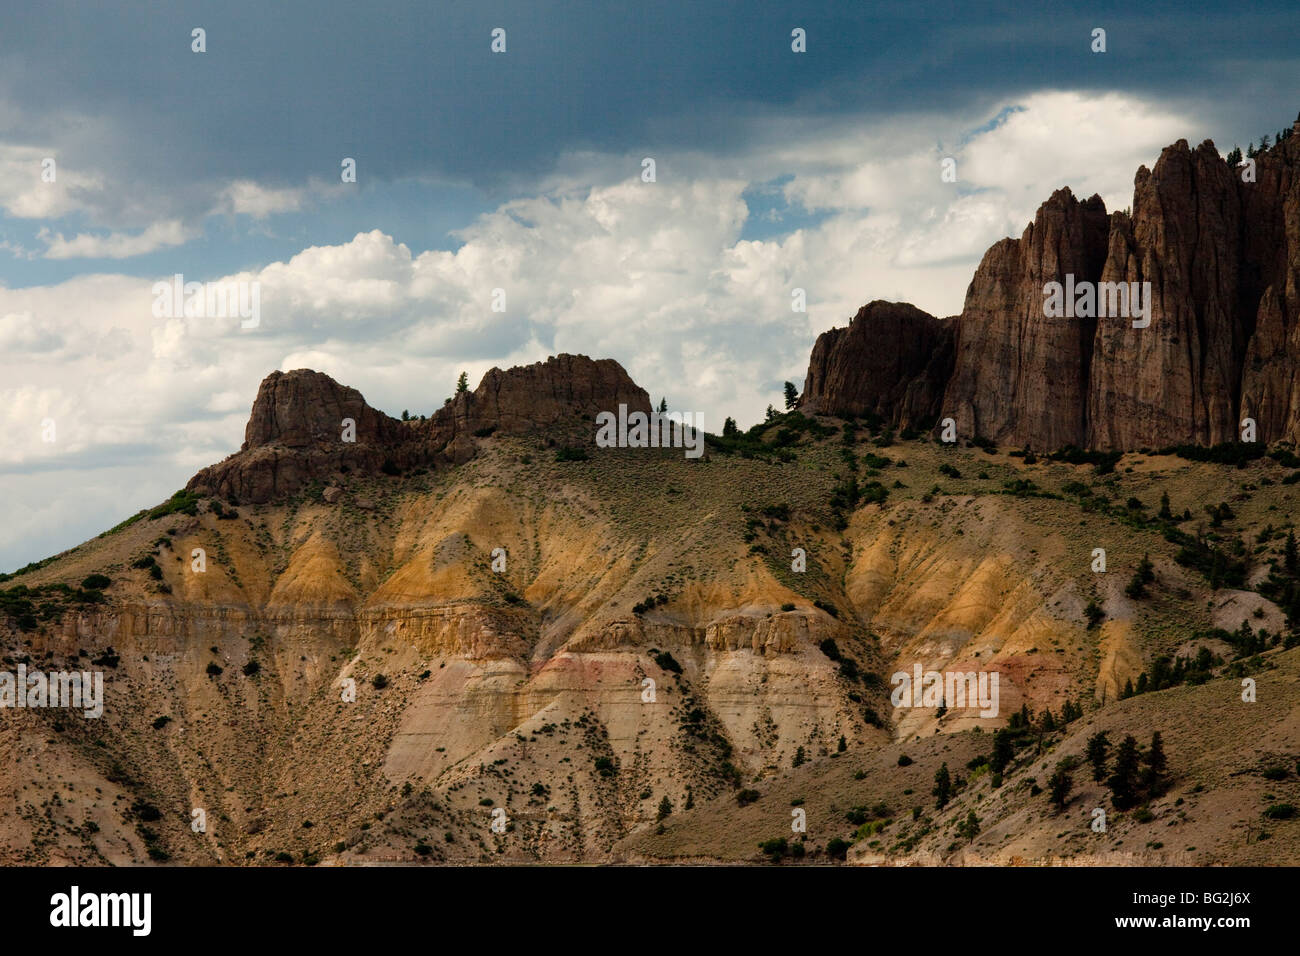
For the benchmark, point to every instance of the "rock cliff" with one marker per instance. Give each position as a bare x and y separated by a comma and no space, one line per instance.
1221,252
903,384
305,426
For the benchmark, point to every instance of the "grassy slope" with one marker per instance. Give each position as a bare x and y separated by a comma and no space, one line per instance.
930,576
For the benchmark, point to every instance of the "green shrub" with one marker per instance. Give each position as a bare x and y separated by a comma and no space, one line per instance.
830,609
667,662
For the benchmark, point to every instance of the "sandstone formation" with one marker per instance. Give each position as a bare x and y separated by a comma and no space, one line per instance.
849,374
299,424
1020,378
1222,256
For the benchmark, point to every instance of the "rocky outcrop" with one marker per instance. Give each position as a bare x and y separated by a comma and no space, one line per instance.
1179,380
1222,255
1270,291
301,408
892,361
305,426
1020,378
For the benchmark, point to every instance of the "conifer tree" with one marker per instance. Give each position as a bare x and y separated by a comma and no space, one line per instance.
1097,752
1059,786
1153,776
942,787
1123,780
1003,751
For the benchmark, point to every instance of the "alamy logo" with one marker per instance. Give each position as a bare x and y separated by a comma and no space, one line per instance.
950,689
1089,300
209,300
660,430
102,909
82,690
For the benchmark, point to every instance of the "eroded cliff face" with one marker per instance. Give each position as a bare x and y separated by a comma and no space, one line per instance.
459,670
849,374
305,426
1019,378
1270,287
1177,381
392,659
1222,256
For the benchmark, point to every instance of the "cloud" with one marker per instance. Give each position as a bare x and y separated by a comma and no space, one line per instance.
117,245
655,275
20,333
245,197
26,191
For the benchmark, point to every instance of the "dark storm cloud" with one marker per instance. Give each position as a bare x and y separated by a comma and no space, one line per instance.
286,89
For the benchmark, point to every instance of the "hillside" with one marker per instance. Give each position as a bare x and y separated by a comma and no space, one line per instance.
522,689
475,636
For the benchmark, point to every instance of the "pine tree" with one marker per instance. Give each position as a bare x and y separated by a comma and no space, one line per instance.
1153,777
970,827
1165,513
800,758
1245,638
843,744
729,427
462,383
1026,715
1234,157
942,787
1290,558
1003,751
1123,780
791,395
663,406
1097,752
690,799
769,414
1144,575
1058,787
665,808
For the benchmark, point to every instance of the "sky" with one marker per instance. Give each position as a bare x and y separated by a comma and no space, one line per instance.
127,157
